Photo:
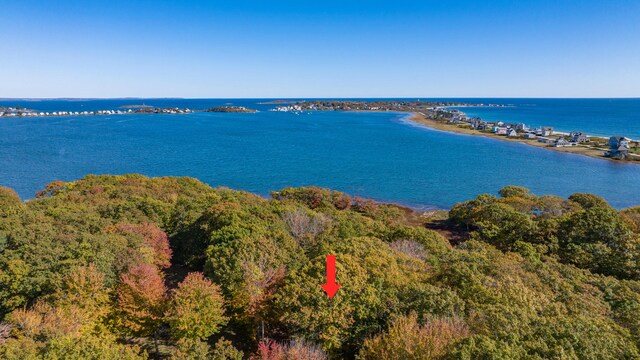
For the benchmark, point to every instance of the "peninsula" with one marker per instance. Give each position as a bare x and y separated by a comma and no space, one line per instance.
616,148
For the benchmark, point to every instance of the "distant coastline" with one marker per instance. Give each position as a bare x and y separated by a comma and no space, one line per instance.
444,115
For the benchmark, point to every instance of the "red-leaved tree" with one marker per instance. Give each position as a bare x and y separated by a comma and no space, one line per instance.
141,300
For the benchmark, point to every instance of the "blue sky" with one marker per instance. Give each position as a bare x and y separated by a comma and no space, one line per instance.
560,48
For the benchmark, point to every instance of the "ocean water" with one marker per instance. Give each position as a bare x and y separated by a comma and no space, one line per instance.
377,155
601,117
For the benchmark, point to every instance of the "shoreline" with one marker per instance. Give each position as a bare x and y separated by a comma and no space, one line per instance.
597,153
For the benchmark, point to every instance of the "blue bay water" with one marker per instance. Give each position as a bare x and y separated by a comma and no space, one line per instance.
377,155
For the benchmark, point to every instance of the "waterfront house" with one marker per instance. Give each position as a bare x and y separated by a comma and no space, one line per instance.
619,147
455,119
579,137
621,152
521,127
547,131
615,141
501,130
545,140
561,142
530,136
512,132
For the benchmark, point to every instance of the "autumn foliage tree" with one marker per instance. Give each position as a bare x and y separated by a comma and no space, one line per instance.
141,297
155,248
196,310
294,350
407,339
80,273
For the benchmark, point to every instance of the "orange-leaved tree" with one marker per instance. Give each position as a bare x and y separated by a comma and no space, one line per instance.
141,299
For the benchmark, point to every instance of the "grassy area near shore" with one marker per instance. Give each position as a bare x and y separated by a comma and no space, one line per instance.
587,149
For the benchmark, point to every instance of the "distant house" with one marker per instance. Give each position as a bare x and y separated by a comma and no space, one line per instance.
521,127
579,137
545,140
501,130
475,123
619,147
615,141
561,142
512,132
547,131
530,136
456,118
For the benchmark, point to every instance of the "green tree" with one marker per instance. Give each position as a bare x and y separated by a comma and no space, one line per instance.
597,239
196,310
514,191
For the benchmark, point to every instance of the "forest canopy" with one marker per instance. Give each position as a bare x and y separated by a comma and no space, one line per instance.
130,267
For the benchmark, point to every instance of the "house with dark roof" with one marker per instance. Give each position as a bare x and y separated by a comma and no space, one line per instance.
579,137
615,141
561,142
619,147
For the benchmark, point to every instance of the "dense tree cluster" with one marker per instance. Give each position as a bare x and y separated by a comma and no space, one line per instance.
582,230
128,267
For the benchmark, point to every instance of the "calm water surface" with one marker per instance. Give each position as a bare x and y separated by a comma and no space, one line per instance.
377,155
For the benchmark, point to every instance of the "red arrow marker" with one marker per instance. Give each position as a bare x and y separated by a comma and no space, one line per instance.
331,288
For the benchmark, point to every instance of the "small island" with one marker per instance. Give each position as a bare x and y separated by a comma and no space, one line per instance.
231,109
